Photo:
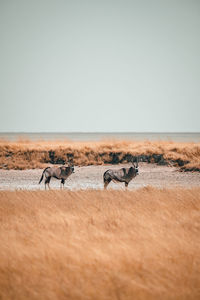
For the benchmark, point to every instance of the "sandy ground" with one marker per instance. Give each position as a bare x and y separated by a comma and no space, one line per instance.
90,177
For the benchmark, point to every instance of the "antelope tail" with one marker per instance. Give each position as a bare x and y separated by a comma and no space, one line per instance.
106,176
43,175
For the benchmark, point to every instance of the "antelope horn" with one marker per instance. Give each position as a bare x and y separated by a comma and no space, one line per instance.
69,162
133,163
137,162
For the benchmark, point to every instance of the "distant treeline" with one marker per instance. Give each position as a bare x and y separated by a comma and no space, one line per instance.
26,154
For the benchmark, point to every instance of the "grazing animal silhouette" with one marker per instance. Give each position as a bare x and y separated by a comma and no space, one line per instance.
61,173
122,175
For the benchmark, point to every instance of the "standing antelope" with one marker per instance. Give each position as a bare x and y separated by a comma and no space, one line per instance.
122,175
59,173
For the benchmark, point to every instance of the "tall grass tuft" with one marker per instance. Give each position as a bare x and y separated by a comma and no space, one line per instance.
142,244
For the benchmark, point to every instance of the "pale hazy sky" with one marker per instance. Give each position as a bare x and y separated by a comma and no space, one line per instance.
103,65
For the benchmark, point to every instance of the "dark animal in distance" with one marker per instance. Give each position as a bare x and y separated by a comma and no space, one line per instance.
122,175
61,173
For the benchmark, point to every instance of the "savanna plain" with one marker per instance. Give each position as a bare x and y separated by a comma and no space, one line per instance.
141,243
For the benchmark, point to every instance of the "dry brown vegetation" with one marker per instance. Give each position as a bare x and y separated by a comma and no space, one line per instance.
25,154
142,244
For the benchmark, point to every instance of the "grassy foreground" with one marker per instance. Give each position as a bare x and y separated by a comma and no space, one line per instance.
25,154
142,244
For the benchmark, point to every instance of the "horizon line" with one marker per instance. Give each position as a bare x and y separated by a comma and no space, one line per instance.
98,132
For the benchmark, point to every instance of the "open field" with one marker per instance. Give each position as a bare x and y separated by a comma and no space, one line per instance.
91,177
27,154
142,244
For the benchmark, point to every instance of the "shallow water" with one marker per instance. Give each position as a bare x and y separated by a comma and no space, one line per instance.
91,177
95,136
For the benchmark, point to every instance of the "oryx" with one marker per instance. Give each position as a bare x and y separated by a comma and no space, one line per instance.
122,175
61,173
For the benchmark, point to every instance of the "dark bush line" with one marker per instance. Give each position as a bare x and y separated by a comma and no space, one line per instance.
191,169
118,157
35,159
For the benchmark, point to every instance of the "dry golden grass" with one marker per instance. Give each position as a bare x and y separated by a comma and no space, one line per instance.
142,244
24,154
